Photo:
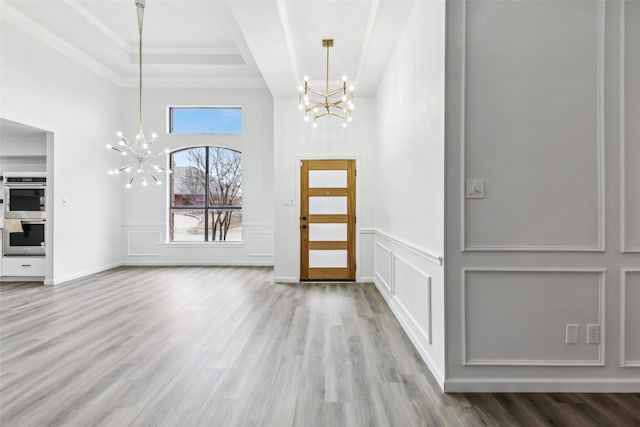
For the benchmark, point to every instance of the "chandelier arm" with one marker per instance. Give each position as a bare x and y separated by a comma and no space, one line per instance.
126,143
123,168
331,113
335,92
317,92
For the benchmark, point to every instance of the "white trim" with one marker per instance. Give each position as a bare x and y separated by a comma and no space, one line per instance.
463,128
285,279
47,37
204,245
99,25
414,336
599,246
426,334
142,224
81,274
430,255
261,255
623,137
377,275
195,263
365,279
367,231
542,385
373,12
542,362
236,82
286,29
624,362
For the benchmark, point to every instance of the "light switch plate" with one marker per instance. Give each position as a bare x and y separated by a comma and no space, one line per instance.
475,189
573,334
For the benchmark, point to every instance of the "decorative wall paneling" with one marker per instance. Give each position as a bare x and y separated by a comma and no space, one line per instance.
514,317
629,318
467,162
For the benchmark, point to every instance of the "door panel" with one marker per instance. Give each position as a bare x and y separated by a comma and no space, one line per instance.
327,220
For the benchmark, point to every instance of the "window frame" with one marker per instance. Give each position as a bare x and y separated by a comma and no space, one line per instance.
169,120
206,208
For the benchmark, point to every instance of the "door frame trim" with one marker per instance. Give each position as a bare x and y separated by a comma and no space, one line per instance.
297,200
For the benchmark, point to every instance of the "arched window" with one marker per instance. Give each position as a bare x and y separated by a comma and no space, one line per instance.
205,200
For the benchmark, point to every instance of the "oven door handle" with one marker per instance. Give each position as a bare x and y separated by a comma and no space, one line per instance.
32,222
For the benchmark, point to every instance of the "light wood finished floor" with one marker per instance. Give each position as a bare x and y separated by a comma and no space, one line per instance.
227,347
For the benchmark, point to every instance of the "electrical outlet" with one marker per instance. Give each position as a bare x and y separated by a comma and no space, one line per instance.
593,333
573,334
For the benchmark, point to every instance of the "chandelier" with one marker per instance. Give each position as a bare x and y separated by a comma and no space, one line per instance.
141,167
317,104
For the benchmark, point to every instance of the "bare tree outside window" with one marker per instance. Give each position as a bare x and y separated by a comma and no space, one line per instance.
206,195
225,188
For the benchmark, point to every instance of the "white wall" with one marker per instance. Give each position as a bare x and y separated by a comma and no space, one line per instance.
409,183
145,210
534,108
295,140
23,153
44,89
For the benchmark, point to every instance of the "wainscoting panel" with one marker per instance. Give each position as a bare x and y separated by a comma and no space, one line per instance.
143,243
519,317
630,317
413,291
383,266
533,202
630,132
411,280
260,241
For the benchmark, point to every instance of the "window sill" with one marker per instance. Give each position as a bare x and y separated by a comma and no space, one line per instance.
203,244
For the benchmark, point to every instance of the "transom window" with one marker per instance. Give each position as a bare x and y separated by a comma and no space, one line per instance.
205,195
221,120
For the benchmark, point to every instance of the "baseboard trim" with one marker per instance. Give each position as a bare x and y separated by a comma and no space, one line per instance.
85,273
398,311
285,279
542,385
159,263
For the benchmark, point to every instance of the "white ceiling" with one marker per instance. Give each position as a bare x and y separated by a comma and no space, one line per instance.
218,43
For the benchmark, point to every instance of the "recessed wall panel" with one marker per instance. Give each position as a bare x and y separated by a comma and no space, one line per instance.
536,102
413,291
631,141
631,320
143,243
514,317
382,257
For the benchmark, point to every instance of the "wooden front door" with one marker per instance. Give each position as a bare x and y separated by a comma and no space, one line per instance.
328,220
